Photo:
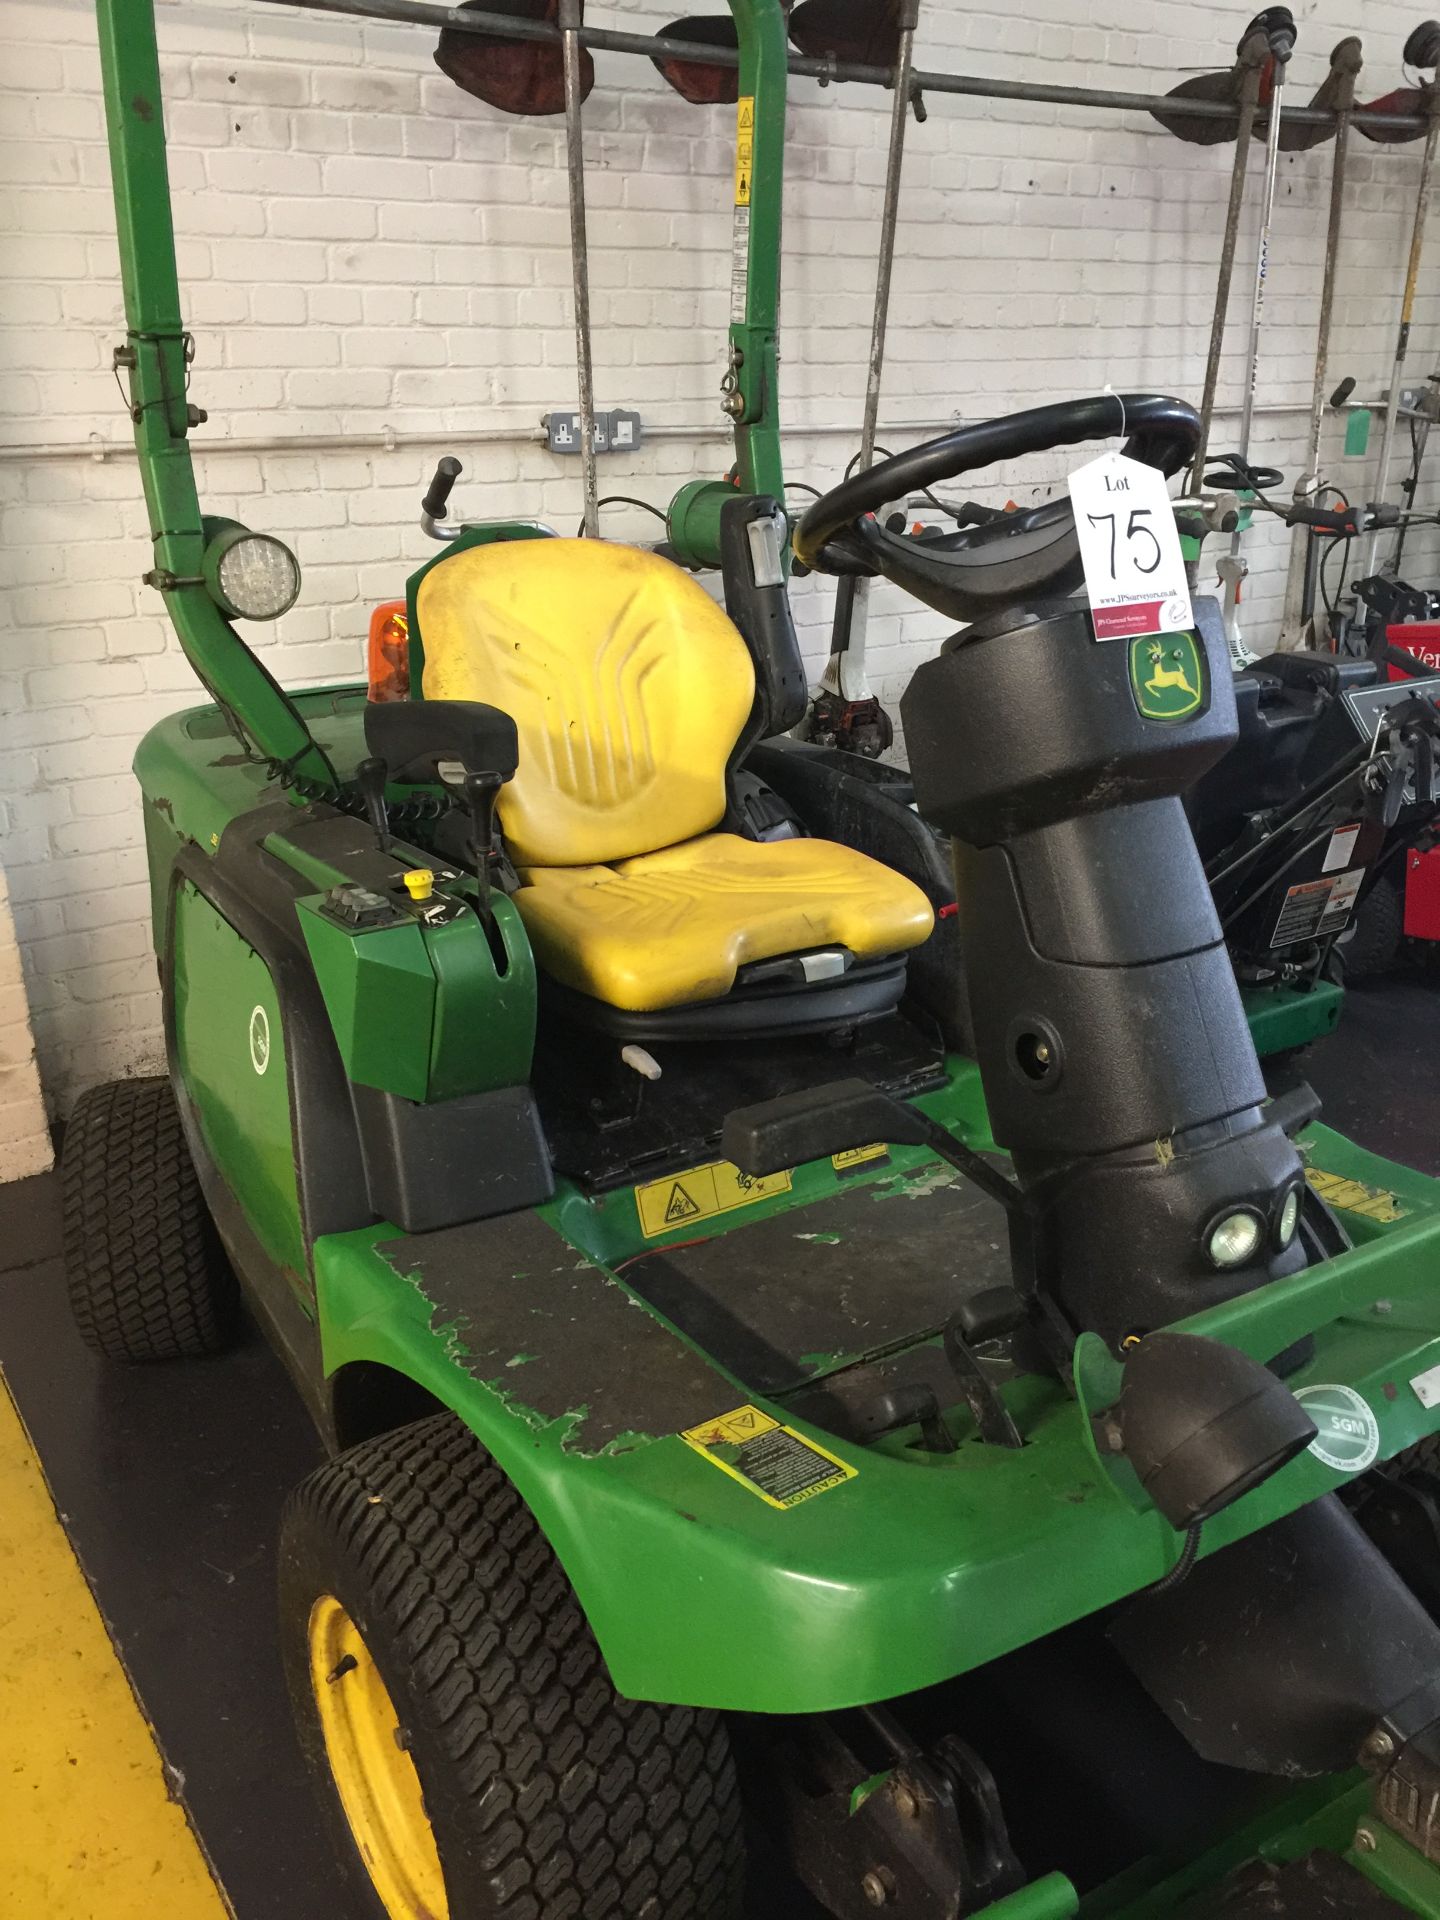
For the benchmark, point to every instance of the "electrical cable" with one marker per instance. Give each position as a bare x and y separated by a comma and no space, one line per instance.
1340,539
625,500
1288,820
1265,885
1183,1566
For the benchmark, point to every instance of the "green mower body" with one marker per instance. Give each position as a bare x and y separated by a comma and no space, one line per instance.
613,1349
732,1404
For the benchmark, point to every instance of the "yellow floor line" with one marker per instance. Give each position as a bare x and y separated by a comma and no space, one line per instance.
87,1829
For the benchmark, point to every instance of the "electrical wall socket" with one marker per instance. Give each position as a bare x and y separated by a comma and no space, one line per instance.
619,431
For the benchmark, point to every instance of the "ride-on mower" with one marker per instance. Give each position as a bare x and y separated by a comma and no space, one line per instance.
774,1459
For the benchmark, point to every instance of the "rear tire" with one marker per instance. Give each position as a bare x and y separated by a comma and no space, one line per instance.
548,1796
147,1275
1374,947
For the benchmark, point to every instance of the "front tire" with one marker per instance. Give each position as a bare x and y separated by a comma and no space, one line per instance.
147,1276
457,1715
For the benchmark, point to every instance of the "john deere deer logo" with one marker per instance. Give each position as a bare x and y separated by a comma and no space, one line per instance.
1167,675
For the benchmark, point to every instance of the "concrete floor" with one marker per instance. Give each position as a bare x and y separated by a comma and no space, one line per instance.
170,1482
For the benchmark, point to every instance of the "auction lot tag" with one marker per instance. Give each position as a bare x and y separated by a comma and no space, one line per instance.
1134,574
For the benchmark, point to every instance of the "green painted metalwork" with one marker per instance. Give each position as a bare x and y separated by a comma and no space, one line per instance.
692,523
1290,1823
484,1034
230,1048
1052,1898
924,1565
1283,1017
424,1011
1396,1868
157,356
755,313
379,990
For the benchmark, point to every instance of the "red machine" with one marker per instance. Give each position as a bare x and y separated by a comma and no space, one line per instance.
1422,870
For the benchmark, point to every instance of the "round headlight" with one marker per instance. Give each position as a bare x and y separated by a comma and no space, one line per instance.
1289,1218
1233,1239
251,576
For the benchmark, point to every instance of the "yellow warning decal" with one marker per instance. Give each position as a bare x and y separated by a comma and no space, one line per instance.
1352,1196
744,148
680,1199
775,1462
859,1156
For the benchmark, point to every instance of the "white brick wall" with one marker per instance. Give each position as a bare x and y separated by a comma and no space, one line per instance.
366,250
24,1134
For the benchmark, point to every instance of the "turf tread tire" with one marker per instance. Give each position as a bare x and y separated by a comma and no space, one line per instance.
147,1277
1374,947
552,1797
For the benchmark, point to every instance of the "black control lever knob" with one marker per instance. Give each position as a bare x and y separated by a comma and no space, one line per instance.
441,485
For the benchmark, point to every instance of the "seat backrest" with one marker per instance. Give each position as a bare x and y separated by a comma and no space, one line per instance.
628,685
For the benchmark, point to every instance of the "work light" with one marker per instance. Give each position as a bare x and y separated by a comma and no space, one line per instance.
250,576
1234,1238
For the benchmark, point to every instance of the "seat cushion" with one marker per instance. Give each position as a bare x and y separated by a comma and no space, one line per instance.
673,927
626,682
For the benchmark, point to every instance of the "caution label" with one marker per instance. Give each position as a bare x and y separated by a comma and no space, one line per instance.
744,148
740,266
680,1199
855,1157
1353,1196
1316,908
774,1462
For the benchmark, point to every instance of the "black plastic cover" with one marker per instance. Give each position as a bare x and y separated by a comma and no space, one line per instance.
413,737
452,1161
1320,1638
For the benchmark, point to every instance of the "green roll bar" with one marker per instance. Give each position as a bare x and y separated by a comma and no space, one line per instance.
157,354
156,357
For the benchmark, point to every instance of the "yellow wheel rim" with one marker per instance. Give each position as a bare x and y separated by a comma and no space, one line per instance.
374,1775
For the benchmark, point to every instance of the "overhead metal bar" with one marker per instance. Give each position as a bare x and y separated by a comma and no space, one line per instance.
665,46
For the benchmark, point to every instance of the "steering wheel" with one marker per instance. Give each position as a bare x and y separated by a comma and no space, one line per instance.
1015,557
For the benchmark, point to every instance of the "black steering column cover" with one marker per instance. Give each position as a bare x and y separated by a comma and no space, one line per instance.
982,570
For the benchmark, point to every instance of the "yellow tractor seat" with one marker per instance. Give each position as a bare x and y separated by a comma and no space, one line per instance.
632,693
674,927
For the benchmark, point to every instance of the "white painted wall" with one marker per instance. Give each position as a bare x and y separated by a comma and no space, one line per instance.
367,250
24,1132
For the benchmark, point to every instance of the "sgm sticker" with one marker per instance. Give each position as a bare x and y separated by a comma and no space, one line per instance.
1352,1196
259,1039
1348,1434
853,1158
775,1462
682,1199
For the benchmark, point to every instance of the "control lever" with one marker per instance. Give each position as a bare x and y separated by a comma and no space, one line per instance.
371,776
442,484
481,792
437,498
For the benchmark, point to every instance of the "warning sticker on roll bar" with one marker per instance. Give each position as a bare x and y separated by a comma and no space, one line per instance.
779,1465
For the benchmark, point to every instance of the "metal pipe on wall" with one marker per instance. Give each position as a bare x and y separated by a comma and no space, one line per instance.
972,86
1423,195
580,259
1345,60
1254,54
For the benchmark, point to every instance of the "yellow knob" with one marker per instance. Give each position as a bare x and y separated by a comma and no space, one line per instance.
420,883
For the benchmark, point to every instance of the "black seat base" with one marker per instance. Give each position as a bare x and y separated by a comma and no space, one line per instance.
868,991
607,1127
